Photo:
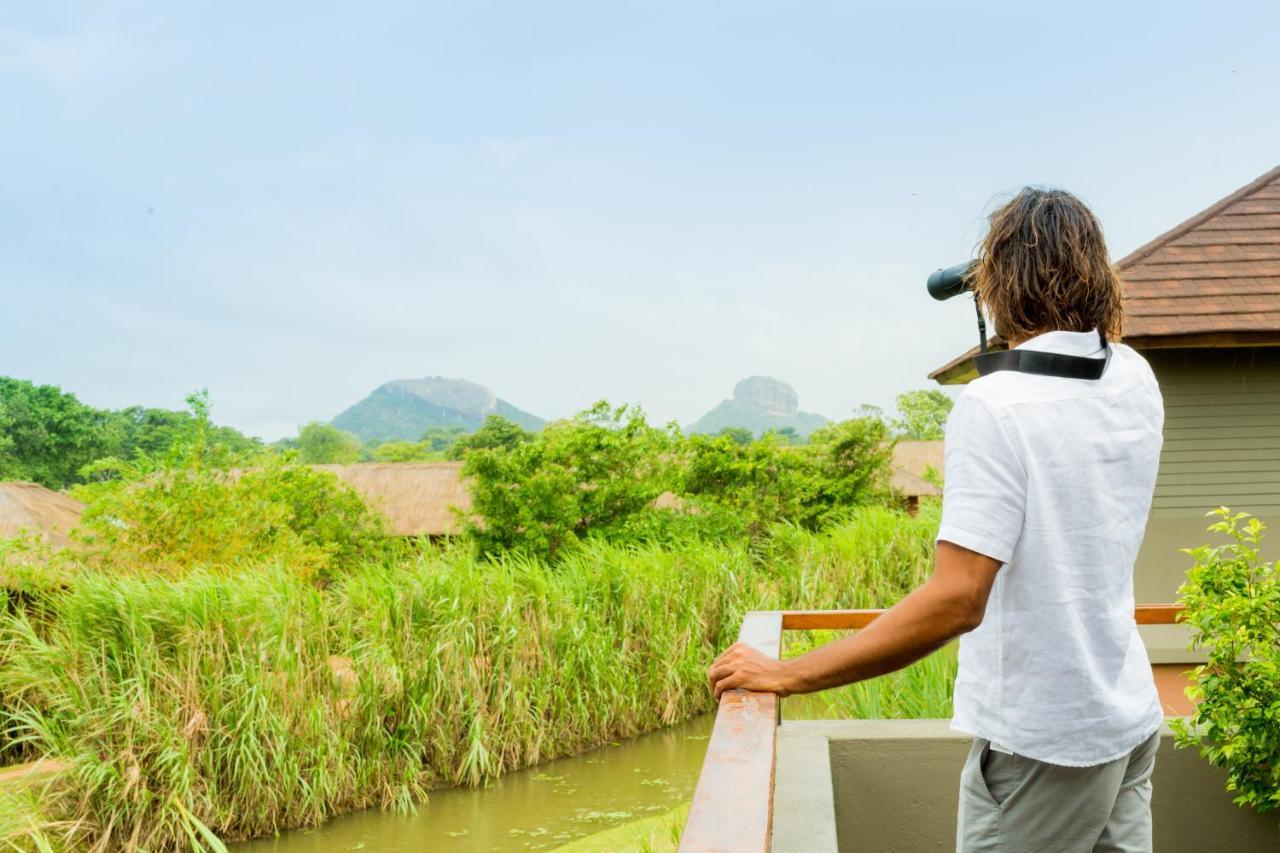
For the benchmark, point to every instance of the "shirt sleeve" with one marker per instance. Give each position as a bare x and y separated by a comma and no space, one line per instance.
984,483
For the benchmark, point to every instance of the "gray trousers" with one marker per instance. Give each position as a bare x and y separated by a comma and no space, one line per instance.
1013,804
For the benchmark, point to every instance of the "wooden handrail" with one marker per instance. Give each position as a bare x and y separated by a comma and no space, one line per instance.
813,620
732,807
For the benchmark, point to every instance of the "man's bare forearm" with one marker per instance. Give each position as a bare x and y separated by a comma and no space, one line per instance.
921,623
951,603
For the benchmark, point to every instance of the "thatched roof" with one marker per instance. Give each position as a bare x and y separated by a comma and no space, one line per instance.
910,461
414,496
35,509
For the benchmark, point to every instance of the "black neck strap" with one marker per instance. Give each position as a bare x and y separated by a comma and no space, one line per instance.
1045,363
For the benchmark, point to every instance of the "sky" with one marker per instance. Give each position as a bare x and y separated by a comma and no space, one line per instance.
291,203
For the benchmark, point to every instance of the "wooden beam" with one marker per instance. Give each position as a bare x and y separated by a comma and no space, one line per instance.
814,620
1158,614
732,806
817,620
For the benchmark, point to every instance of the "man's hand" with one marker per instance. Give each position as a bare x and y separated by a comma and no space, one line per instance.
742,666
949,604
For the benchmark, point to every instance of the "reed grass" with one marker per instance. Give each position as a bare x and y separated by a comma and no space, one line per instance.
227,705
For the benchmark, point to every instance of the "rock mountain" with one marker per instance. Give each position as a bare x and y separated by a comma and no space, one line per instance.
402,410
759,403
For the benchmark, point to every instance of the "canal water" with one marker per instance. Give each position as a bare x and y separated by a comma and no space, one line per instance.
540,808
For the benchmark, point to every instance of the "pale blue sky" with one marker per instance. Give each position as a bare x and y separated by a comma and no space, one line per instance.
290,203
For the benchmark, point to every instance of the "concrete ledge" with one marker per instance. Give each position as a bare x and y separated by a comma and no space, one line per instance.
804,818
893,786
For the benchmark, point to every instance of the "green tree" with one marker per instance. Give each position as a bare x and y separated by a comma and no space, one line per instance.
497,433
321,443
440,439
843,466
851,462
786,435
738,435
597,474
139,429
48,435
922,415
761,483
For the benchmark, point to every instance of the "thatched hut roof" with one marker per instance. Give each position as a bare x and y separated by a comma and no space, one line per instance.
33,508
911,459
416,497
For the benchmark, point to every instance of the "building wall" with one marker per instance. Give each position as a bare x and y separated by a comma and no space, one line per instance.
1221,448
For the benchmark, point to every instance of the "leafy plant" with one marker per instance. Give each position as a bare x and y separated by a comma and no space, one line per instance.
922,415
1232,600
320,444
47,435
190,506
590,476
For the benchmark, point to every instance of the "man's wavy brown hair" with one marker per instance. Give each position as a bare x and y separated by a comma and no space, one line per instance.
1043,266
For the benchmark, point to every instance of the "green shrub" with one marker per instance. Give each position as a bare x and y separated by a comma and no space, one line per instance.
594,475
844,465
1232,600
189,507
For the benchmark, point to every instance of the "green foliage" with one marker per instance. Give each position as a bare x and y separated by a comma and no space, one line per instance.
442,438
1232,600
786,435
497,433
597,474
187,508
48,435
253,701
405,451
740,436
434,445
844,465
922,414
138,429
321,444
601,474
762,482
851,459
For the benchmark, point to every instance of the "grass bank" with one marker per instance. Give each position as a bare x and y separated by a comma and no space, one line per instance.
240,704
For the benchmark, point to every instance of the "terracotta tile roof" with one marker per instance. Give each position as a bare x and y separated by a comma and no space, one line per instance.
1217,274
1214,280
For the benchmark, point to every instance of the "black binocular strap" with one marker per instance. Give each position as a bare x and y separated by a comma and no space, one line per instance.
1044,363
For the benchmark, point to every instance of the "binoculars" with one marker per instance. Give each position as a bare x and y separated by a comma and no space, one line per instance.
951,281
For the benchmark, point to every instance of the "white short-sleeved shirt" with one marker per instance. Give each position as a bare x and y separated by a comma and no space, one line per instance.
1053,477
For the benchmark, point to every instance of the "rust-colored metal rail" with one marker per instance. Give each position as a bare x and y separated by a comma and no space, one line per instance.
732,806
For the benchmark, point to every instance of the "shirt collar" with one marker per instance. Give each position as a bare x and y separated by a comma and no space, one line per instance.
1067,343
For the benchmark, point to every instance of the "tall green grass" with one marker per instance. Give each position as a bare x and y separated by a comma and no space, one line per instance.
242,704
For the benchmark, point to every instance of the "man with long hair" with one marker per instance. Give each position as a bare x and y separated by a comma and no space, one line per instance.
1048,482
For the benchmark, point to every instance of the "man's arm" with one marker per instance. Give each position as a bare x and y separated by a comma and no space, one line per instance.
949,604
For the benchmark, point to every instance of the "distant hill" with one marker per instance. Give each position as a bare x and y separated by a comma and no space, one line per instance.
759,403
405,408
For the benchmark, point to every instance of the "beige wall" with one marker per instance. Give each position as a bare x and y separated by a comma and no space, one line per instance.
1221,447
